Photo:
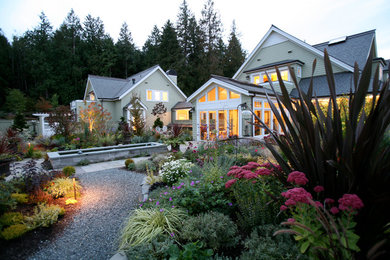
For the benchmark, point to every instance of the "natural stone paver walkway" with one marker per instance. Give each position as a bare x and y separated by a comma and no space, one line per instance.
109,197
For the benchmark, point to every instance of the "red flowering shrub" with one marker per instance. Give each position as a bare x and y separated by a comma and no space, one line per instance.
230,183
298,195
318,189
299,178
350,202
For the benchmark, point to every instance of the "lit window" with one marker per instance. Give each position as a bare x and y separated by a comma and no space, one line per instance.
256,79
284,74
149,95
211,95
222,93
265,78
234,95
183,114
91,96
165,96
157,95
274,76
257,103
202,99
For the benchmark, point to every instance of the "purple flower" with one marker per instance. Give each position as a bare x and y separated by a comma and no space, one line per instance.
190,171
230,204
173,206
173,187
161,210
170,198
157,203
192,183
212,181
165,193
181,184
178,187
221,177
140,205
197,182
172,234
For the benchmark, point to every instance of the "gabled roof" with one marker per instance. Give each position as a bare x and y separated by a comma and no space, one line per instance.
354,48
182,105
343,81
113,88
297,41
270,65
235,85
251,88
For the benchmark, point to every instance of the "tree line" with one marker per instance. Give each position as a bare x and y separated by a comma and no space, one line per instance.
54,64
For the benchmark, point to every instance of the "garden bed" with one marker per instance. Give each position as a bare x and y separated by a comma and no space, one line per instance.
101,154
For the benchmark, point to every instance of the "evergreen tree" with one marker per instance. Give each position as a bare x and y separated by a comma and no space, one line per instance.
169,52
6,73
183,30
211,31
68,70
235,55
126,53
98,51
151,48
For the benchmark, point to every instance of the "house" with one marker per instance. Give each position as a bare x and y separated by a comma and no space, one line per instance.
218,103
152,86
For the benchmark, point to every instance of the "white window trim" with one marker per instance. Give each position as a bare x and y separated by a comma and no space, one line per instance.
262,109
153,95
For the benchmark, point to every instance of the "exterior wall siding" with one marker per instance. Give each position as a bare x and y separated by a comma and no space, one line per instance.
157,81
279,52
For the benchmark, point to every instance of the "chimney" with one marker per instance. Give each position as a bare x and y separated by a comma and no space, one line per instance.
133,81
172,74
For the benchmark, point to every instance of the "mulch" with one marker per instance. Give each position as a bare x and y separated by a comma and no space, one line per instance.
29,243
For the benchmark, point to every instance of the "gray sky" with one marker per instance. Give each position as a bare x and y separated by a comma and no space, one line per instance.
314,21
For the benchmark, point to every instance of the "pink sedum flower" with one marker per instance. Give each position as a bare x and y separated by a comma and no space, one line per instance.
229,183
299,178
283,208
290,202
298,195
329,201
291,220
318,189
350,202
334,210
319,204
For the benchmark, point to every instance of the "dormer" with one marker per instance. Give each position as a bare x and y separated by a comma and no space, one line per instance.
258,75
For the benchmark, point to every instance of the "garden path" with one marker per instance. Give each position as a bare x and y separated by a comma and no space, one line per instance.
109,197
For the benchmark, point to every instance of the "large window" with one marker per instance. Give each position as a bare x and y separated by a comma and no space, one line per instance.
211,95
157,95
202,99
222,93
218,124
92,96
262,76
182,114
263,110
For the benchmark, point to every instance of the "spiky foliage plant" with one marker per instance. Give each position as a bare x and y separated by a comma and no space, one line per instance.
145,224
352,160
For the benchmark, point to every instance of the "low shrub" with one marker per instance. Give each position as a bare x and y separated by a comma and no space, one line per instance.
11,218
145,224
143,165
14,231
193,251
44,216
40,196
6,200
62,187
131,167
262,245
215,230
20,197
128,161
172,171
68,171
194,196
157,248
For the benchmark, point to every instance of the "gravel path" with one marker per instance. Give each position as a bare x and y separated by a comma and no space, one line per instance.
109,197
